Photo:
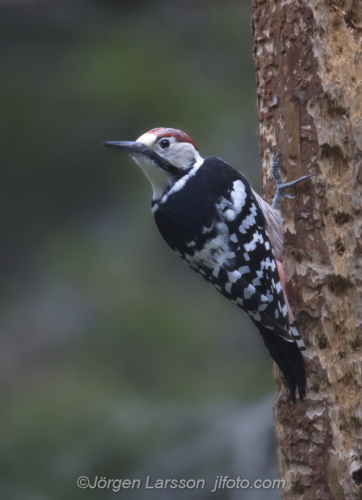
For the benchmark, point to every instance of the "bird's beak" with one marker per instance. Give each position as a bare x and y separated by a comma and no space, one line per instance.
129,147
139,148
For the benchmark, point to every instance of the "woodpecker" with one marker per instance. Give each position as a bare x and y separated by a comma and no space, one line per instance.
207,212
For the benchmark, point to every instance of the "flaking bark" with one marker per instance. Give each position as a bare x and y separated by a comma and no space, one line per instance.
308,61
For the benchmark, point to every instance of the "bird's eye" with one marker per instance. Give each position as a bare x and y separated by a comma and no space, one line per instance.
164,143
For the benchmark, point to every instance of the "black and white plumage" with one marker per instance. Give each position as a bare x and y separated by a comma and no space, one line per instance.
209,215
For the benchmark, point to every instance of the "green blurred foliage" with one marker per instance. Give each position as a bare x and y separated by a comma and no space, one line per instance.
99,316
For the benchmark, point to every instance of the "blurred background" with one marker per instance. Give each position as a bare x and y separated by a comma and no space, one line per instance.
116,360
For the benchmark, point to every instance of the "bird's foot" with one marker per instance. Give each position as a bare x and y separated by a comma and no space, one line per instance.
279,186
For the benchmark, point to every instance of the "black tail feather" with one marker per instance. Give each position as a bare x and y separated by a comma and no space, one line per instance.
288,357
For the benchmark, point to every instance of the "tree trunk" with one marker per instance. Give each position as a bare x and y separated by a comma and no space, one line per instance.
309,83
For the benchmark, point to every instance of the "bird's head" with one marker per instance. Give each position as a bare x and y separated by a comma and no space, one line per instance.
164,154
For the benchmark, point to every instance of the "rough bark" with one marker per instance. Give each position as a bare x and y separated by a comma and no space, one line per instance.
308,61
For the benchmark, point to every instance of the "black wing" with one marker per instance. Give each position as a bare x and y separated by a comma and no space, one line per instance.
216,225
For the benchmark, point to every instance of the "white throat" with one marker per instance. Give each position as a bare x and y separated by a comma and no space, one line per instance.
160,180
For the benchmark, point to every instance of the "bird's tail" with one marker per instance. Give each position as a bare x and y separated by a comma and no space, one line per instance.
293,331
287,355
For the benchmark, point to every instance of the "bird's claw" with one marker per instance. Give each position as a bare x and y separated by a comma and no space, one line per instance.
279,191
286,195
